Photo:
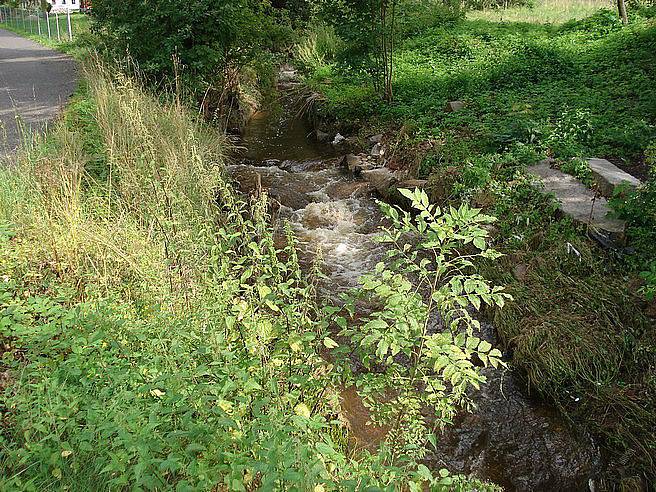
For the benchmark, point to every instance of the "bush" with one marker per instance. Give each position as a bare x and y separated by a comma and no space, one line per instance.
318,47
603,22
639,210
208,38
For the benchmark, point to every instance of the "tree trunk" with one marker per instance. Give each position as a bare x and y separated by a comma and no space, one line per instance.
621,9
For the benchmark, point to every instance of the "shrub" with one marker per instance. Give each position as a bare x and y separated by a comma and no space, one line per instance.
603,22
208,39
318,47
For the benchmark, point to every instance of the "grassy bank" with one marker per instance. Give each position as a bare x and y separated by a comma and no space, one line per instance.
566,81
123,289
153,335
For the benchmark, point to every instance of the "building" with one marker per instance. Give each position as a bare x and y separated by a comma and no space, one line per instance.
62,5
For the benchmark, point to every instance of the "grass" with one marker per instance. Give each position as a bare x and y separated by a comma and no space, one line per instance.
544,12
562,79
108,259
517,79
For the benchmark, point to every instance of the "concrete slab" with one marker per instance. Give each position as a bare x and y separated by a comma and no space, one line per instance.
577,201
607,176
454,106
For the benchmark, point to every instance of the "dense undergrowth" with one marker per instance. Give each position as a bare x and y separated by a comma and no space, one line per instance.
156,337
532,89
146,307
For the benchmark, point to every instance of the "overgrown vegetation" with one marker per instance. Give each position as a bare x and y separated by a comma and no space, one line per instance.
221,54
562,80
144,305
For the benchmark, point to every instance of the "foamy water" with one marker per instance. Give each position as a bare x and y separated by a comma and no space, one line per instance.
328,212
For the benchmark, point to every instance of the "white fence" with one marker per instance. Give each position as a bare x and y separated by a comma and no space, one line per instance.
55,26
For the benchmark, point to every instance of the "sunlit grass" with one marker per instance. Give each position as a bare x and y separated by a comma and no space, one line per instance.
545,11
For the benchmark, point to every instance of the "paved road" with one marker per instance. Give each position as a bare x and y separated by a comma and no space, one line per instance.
34,84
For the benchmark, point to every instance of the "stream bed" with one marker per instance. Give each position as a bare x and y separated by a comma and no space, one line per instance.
511,439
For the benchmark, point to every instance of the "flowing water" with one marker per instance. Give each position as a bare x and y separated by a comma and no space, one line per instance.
510,439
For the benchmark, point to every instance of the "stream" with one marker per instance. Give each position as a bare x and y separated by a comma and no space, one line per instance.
511,439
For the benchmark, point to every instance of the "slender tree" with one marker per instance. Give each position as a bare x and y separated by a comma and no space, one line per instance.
621,9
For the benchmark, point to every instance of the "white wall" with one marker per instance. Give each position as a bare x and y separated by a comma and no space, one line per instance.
65,4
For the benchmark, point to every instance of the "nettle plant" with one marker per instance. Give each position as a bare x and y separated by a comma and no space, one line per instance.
419,349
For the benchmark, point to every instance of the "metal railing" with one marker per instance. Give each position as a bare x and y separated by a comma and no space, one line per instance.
54,26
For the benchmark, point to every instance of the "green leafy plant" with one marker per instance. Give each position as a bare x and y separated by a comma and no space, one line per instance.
411,361
578,168
649,276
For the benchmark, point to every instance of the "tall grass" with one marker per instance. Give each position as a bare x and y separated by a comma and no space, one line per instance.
319,46
544,12
135,218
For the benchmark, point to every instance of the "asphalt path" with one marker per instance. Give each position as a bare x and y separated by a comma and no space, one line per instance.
35,83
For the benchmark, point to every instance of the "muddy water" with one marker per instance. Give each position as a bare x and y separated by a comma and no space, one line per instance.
510,439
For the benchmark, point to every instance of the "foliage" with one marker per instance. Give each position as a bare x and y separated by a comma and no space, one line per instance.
518,79
533,88
639,210
649,277
499,4
154,333
410,364
371,30
578,168
571,132
544,11
602,23
318,48
205,40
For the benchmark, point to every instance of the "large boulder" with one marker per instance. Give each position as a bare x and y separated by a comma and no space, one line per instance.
382,179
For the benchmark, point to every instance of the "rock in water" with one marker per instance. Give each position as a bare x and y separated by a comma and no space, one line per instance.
381,179
352,163
339,138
